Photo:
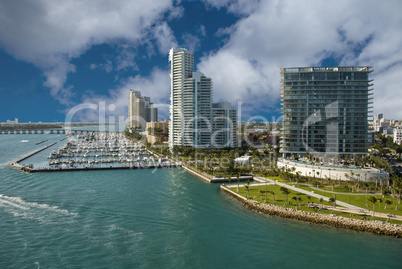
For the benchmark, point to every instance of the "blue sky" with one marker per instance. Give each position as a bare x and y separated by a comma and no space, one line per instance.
56,56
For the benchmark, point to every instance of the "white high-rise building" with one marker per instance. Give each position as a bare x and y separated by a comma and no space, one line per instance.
191,111
140,111
181,68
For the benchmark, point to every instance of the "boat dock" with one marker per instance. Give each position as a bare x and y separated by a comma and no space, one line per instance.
98,151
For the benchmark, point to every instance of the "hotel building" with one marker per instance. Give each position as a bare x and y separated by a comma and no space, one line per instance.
325,110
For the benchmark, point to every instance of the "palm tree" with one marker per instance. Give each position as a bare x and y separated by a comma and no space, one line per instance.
247,186
321,200
379,200
262,193
273,193
333,201
366,185
308,198
299,199
238,182
388,202
286,192
295,198
373,200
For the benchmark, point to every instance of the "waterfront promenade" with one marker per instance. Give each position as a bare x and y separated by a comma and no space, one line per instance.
372,226
341,206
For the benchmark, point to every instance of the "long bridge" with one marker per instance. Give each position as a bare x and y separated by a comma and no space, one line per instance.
50,131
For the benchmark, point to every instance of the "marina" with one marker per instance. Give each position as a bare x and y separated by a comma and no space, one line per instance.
97,151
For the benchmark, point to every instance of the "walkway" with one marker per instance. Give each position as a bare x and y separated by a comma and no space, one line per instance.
345,193
349,206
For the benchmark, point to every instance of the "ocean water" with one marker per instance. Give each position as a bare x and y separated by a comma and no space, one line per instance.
163,218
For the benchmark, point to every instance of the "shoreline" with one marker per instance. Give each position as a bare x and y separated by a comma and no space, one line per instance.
376,227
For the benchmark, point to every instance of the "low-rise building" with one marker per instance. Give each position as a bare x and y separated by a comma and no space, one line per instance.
157,131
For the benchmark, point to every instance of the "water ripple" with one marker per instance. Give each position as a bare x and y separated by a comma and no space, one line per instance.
43,213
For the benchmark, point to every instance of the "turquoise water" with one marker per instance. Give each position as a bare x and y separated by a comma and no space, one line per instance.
164,218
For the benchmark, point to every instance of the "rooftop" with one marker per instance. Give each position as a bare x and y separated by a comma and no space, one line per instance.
327,69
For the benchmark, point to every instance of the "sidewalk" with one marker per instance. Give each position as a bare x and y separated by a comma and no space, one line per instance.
309,193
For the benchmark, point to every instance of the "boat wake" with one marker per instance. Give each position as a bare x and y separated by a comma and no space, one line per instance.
43,213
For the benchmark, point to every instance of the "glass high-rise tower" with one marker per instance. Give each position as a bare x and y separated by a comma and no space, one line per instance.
325,110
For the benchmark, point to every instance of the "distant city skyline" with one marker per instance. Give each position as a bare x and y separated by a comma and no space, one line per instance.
51,61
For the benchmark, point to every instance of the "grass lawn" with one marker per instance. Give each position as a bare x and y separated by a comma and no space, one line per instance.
255,194
360,200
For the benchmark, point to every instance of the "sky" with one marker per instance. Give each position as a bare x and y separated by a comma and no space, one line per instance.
77,60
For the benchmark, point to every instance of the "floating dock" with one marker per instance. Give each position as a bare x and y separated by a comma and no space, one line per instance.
40,142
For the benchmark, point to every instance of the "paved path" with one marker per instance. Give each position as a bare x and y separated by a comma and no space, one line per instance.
349,206
346,193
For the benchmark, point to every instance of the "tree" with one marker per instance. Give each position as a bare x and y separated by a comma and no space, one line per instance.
308,198
262,193
285,192
295,198
238,182
366,185
388,202
321,200
373,200
247,186
333,201
273,193
379,200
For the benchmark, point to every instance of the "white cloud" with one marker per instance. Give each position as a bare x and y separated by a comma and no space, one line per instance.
50,33
176,12
165,38
126,59
156,86
202,30
191,42
107,66
302,33
242,7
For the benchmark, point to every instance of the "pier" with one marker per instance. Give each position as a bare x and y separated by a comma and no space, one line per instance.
40,142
